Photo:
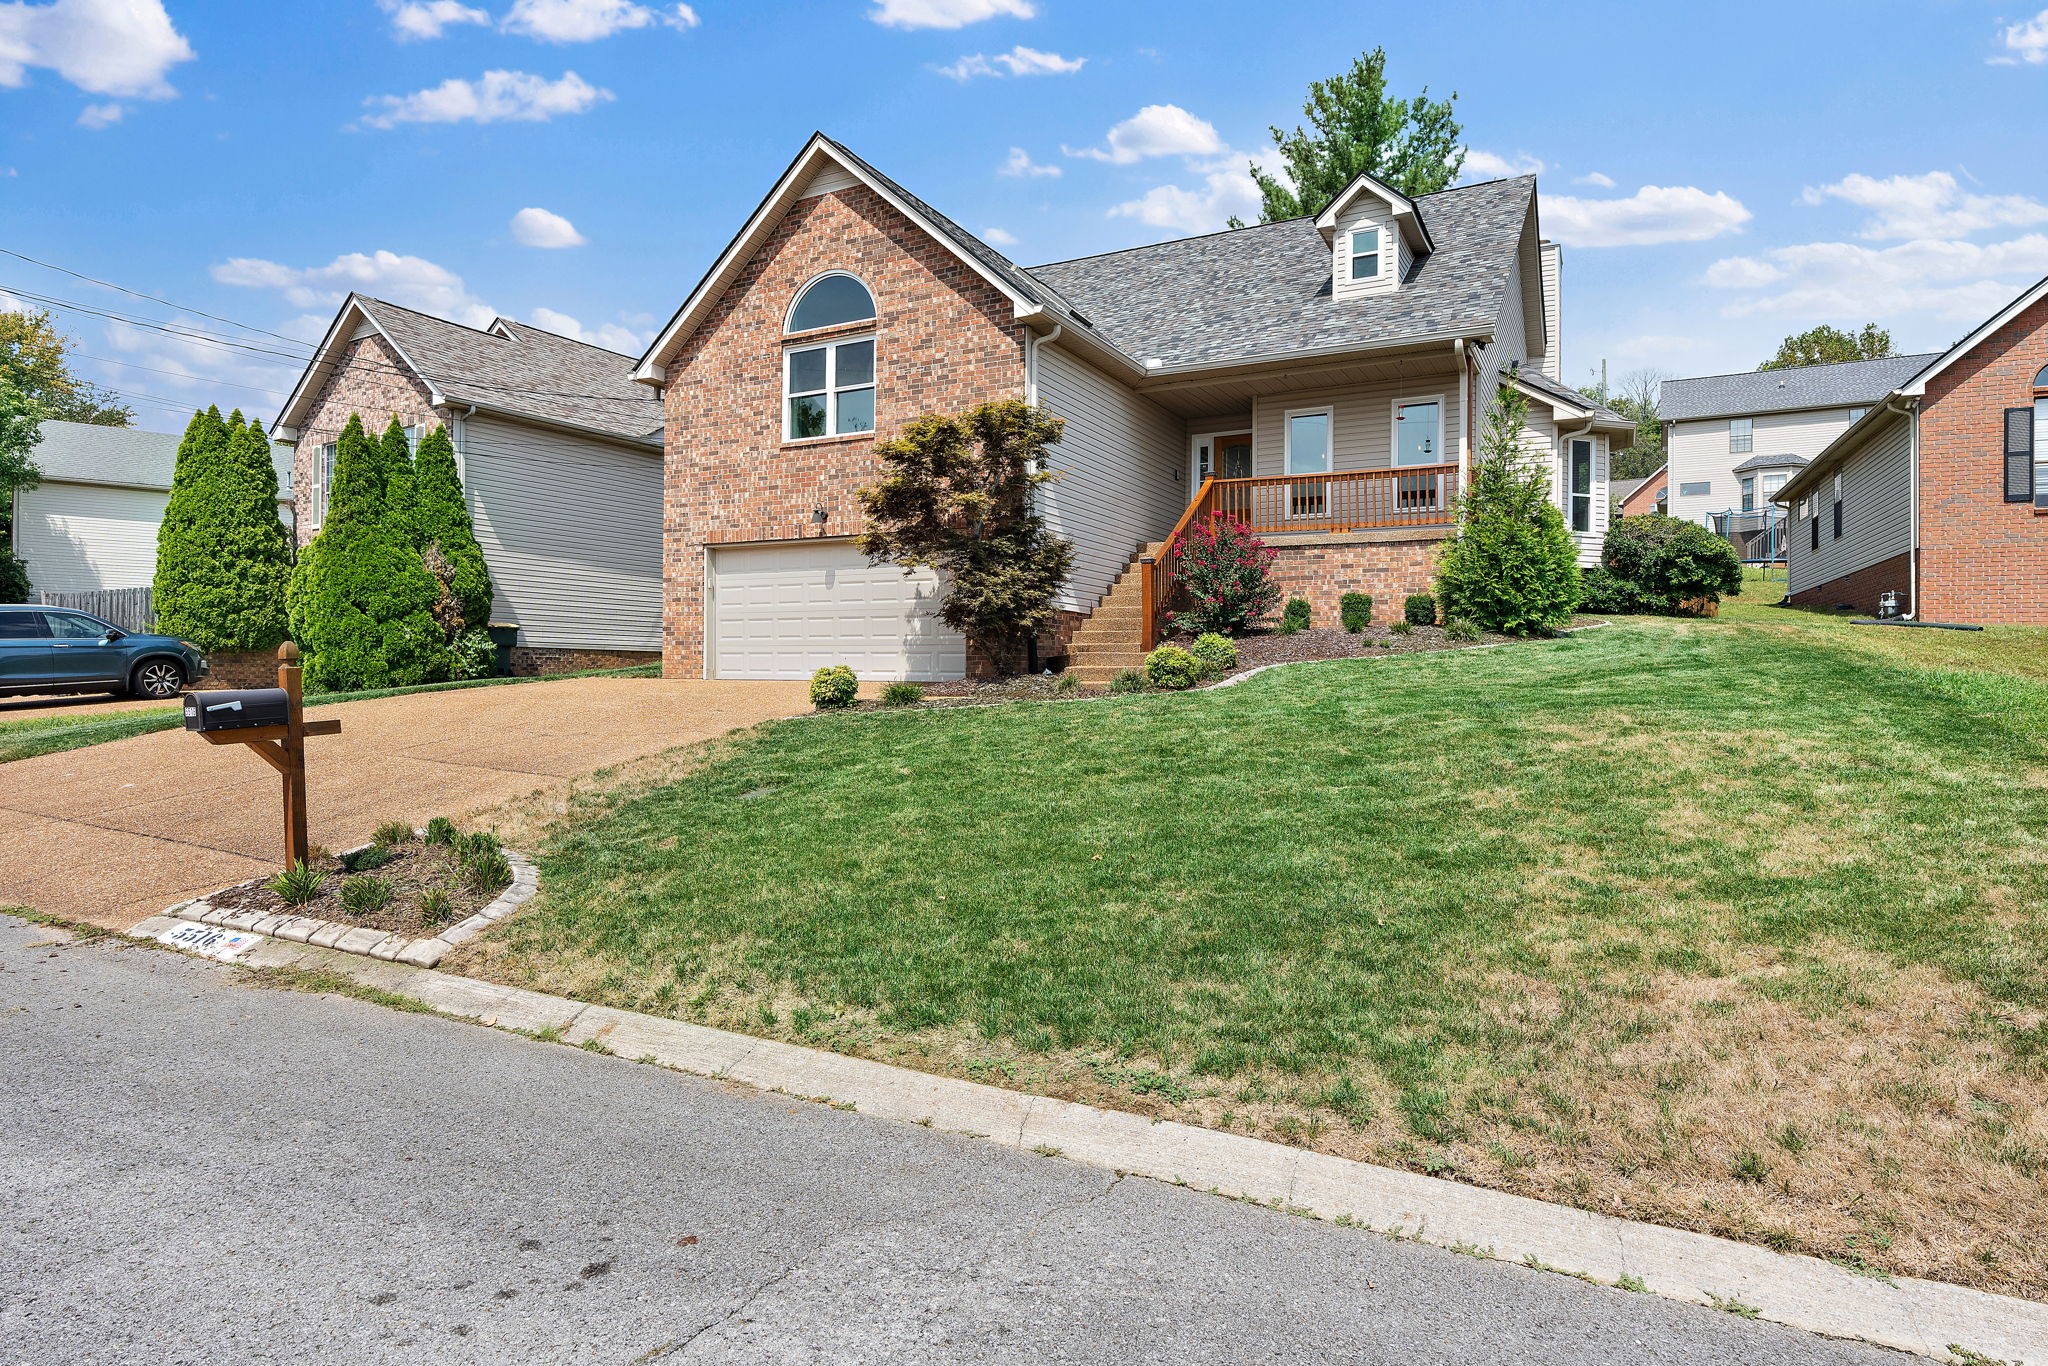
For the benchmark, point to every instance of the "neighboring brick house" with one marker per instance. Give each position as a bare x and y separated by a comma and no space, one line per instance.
1939,493
1641,497
1322,378
560,454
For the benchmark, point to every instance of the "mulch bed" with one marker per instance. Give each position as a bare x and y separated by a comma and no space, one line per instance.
414,869
1255,650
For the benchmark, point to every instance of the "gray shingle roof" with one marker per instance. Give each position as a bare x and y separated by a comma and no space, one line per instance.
1543,384
1771,462
1856,383
529,373
127,457
1265,290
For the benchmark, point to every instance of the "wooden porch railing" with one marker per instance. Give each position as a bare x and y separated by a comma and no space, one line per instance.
1354,500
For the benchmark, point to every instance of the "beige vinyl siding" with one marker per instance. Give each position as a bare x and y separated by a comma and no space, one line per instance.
79,537
571,529
1544,448
1877,512
1698,453
1552,363
1368,211
1361,425
1123,472
1510,344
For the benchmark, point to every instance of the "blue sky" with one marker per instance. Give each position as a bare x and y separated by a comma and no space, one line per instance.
1719,177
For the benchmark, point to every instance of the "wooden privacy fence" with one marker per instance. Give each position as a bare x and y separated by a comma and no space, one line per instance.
131,609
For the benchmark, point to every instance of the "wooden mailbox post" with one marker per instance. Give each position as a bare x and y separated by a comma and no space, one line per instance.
284,749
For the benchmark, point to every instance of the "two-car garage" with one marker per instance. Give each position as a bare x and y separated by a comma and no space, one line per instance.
787,610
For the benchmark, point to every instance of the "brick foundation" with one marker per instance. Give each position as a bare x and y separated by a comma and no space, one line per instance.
239,669
1389,569
1862,588
532,661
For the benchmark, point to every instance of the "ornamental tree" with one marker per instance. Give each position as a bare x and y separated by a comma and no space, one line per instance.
956,496
1513,567
1225,575
20,429
223,558
446,535
361,601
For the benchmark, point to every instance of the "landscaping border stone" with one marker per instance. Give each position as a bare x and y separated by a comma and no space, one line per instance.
361,939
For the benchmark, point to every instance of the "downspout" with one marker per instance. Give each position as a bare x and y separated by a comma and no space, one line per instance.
462,446
1912,414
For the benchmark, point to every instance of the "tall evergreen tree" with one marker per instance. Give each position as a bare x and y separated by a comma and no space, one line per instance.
395,455
1513,567
361,601
222,556
441,519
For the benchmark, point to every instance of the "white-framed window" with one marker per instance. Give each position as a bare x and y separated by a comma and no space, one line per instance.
1418,435
834,299
1855,414
414,435
1748,493
1772,483
1365,254
829,390
1308,440
1741,435
1579,475
323,480
2041,443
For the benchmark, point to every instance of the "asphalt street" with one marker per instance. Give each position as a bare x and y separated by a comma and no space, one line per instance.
197,1169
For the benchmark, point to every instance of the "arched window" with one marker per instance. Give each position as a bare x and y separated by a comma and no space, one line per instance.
828,389
2041,380
830,301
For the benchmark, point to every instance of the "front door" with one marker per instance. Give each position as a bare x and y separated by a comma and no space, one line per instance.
1223,457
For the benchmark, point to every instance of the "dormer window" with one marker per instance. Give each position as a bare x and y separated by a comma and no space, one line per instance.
1365,254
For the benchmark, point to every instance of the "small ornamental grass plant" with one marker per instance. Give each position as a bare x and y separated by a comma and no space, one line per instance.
298,884
440,830
1461,629
1172,668
1226,573
1217,654
833,687
898,694
391,832
365,895
1127,681
1355,611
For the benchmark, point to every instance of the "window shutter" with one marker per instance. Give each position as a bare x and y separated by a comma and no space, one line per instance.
2019,455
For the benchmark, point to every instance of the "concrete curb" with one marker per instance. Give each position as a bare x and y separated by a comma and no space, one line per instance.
1926,1317
328,934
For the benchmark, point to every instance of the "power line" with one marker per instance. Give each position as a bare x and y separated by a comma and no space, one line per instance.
138,294
179,374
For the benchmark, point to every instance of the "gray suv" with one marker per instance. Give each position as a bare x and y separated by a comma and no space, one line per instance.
56,649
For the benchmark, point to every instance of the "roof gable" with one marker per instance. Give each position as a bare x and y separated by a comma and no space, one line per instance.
2027,299
1406,215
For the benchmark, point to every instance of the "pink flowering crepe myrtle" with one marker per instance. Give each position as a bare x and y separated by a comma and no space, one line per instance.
1223,573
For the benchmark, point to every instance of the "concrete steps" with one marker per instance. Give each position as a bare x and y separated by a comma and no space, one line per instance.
1110,641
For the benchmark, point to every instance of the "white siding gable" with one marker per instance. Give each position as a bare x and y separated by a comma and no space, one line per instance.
1367,211
832,177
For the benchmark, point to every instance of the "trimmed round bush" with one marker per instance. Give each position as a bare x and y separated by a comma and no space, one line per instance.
1419,609
1217,653
1666,561
1172,668
834,686
1603,592
1294,617
1355,611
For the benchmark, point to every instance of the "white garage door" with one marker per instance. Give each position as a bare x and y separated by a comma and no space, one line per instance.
785,611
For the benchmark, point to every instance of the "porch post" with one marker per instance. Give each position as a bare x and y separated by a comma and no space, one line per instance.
1148,602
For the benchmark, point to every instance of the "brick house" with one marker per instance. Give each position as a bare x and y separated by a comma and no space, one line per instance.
1939,493
1323,379
560,456
1641,497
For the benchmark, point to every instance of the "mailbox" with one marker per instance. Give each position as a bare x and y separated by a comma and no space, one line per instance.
236,709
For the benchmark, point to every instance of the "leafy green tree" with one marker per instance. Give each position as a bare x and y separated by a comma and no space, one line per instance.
20,430
1513,567
956,496
1634,396
442,523
36,359
361,600
222,556
1356,128
1825,345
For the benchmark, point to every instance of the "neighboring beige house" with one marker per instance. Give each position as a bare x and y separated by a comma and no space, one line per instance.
560,455
91,523
1732,441
1324,379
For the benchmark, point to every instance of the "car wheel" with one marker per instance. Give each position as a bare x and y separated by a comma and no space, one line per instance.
159,678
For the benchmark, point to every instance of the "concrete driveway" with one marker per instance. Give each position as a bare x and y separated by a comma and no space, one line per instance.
116,832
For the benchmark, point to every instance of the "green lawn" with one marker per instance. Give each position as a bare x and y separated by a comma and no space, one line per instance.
30,736
1733,924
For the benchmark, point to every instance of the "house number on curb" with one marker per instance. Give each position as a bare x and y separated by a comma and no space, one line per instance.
210,941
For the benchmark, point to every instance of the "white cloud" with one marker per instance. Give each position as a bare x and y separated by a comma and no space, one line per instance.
586,21
417,20
539,228
1955,281
1019,163
610,336
1157,130
185,366
1930,205
1652,215
1018,61
999,236
104,47
1223,194
498,96
1597,179
412,281
2025,42
98,116
946,13
1481,165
